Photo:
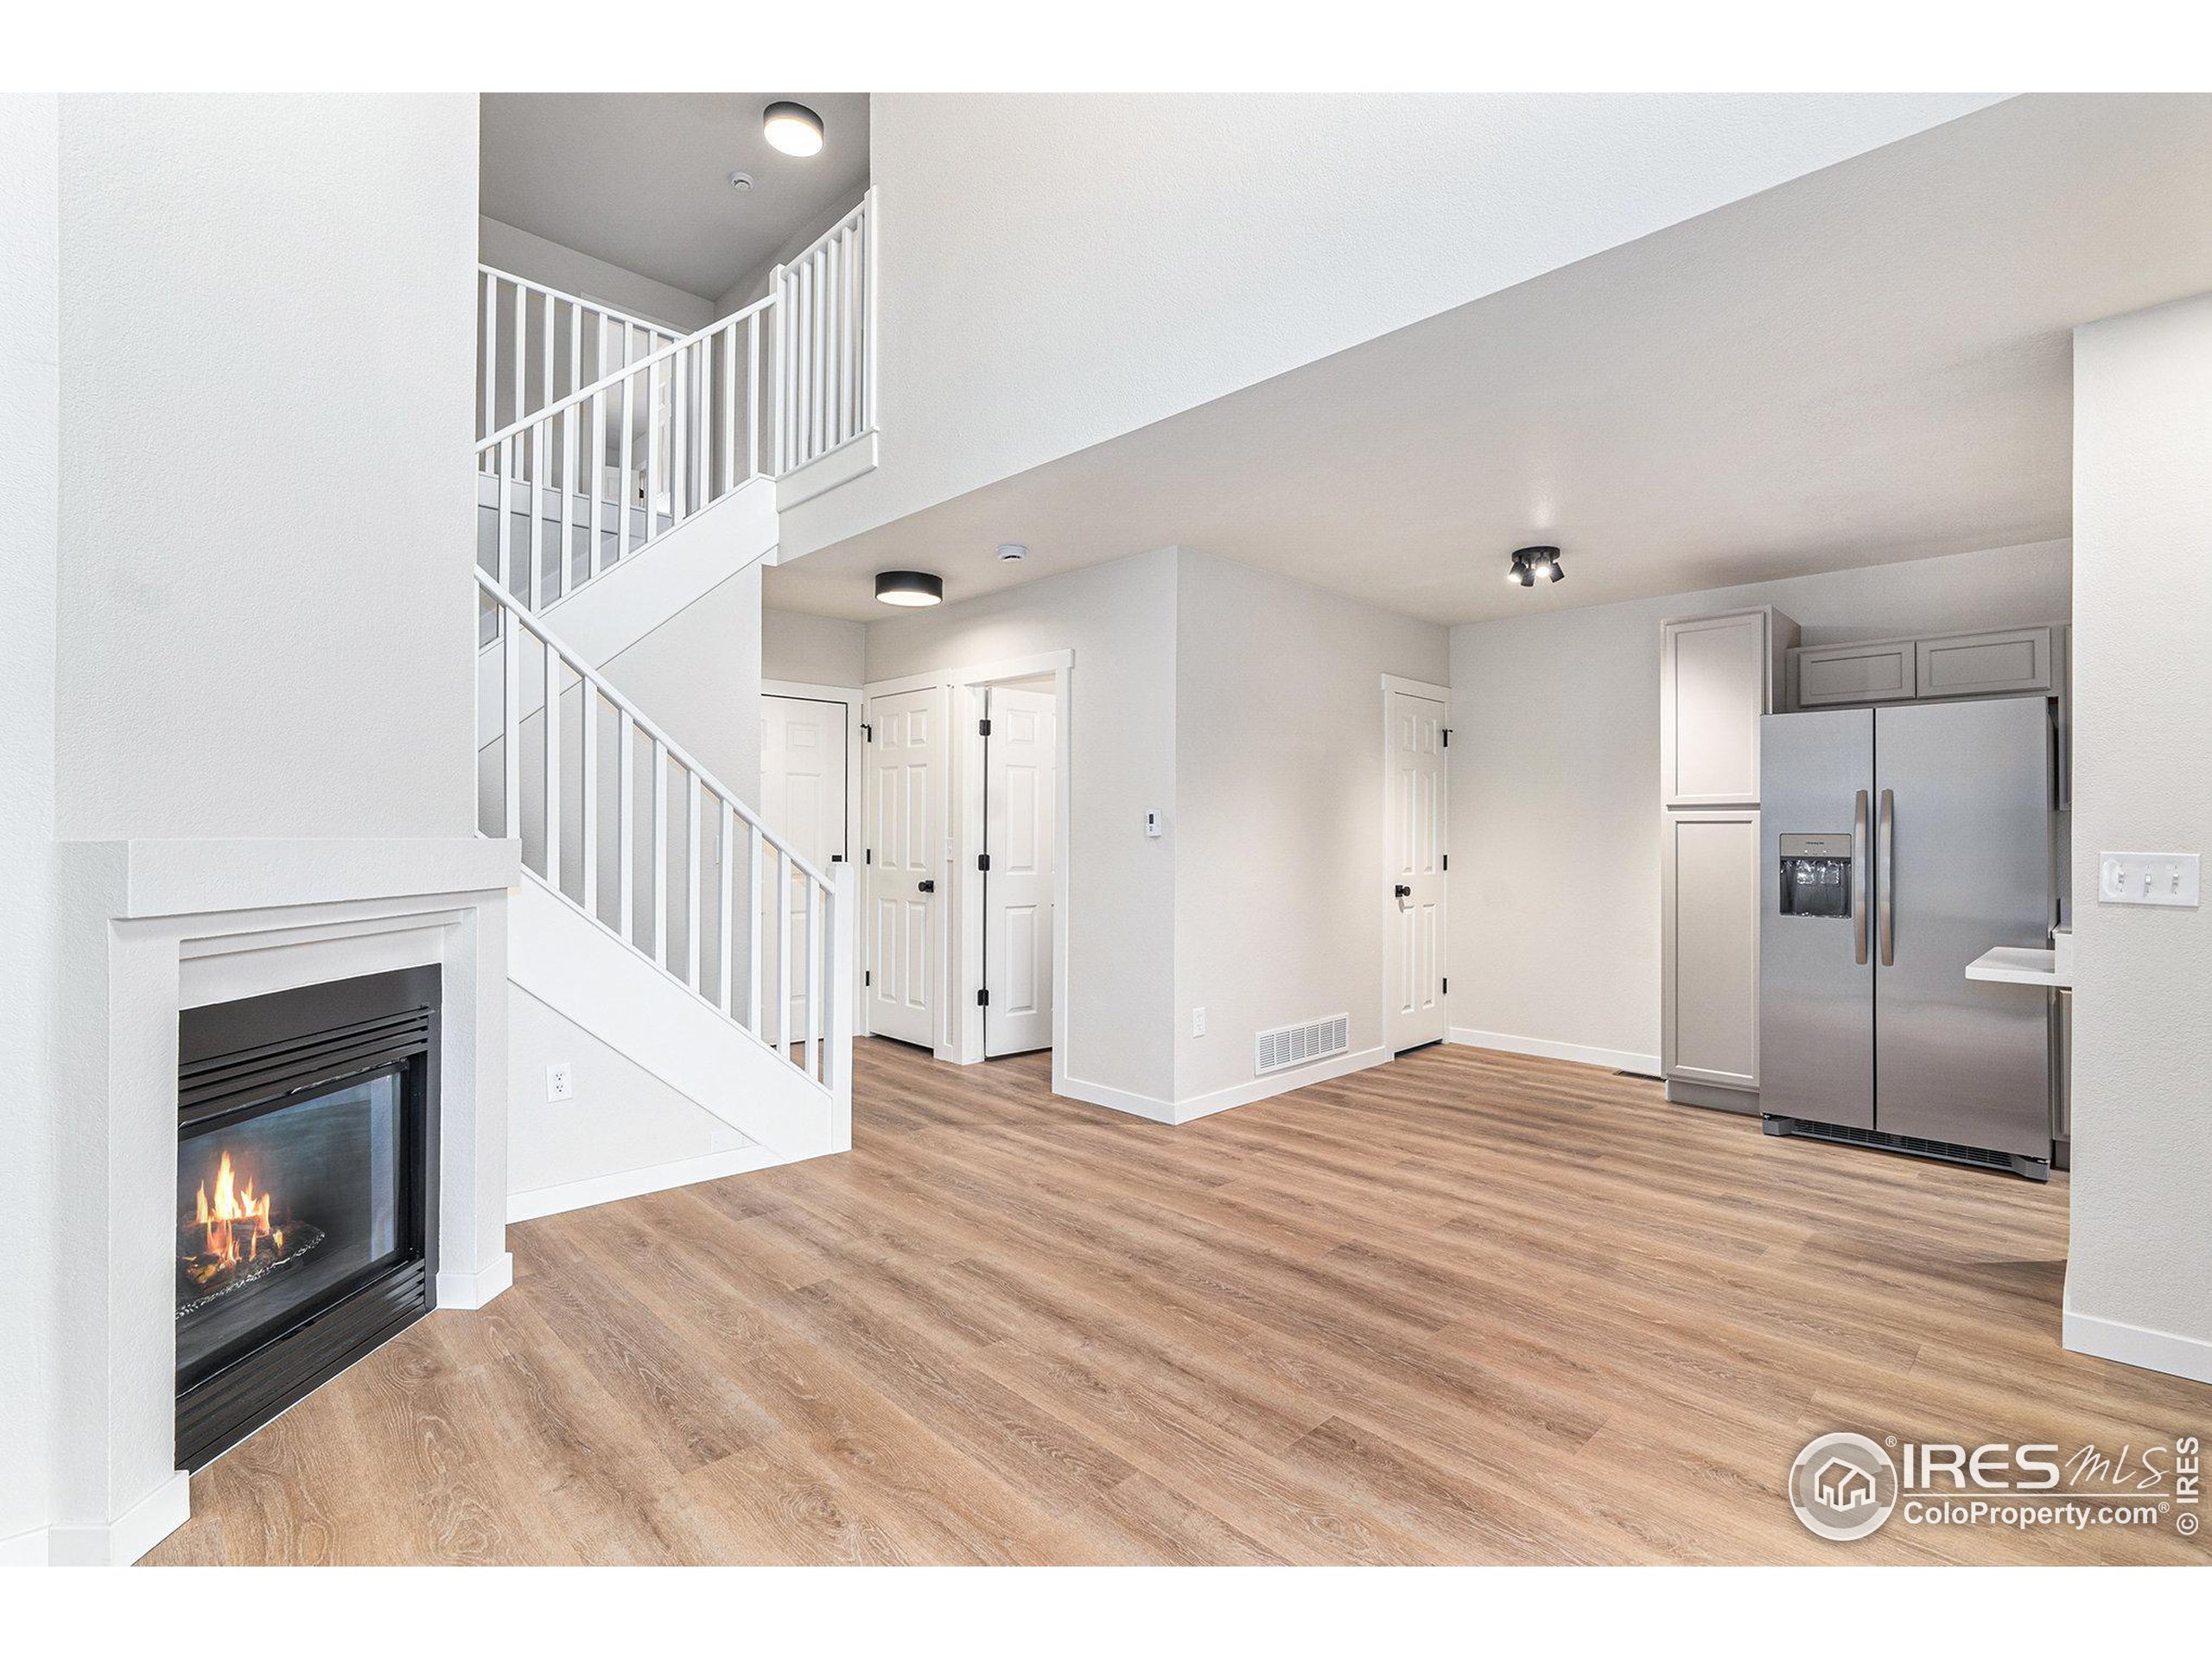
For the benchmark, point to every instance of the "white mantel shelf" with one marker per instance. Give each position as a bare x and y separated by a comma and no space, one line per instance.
186,878
2012,964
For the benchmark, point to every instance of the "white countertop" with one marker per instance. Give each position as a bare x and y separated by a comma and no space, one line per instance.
2012,965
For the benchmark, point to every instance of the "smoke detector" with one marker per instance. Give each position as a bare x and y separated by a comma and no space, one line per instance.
740,183
1009,551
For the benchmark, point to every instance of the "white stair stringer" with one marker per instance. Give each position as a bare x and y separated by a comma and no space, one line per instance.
588,975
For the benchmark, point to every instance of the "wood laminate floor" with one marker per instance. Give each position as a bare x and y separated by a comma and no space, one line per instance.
1467,1307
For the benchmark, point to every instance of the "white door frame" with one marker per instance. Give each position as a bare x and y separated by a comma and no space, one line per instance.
850,696
1438,694
960,1038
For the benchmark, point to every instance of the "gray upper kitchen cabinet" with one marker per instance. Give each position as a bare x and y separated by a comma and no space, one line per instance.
1876,673
2000,663
1995,663
1717,676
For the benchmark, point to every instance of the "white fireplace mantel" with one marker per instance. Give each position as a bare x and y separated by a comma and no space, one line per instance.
152,927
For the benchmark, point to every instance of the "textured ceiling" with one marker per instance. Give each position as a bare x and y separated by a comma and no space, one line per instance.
1866,364
641,179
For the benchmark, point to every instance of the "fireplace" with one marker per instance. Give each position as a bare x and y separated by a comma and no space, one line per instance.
307,1136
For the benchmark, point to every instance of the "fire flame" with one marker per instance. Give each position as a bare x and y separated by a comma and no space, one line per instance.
238,1221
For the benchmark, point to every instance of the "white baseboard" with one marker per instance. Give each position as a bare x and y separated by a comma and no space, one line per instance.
1120,1100
634,1183
1613,1059
1277,1082
2133,1344
467,1290
124,1540
24,1548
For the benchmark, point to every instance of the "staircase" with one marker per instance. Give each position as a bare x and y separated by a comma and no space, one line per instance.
623,472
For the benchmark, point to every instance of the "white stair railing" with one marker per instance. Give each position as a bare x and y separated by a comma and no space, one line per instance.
536,344
826,330
622,824
578,481
593,477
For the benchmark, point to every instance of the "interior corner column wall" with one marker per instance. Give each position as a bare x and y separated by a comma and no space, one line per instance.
1279,849
29,504
1119,747
2139,1284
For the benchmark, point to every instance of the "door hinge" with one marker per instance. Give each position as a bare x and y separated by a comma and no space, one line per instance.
984,727
1447,860
869,857
868,732
1447,737
984,998
983,860
1444,988
867,976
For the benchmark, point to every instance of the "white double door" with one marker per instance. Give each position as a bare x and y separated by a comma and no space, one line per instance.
1413,830
803,800
1020,840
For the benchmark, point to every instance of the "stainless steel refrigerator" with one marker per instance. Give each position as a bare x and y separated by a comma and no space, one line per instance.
1900,843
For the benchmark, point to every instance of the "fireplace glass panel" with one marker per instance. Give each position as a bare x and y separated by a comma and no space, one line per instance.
283,1209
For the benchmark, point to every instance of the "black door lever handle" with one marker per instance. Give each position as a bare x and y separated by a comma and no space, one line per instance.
1403,892
925,887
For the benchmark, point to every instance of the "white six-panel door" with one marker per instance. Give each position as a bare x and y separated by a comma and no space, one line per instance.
803,798
1020,762
905,771
1413,830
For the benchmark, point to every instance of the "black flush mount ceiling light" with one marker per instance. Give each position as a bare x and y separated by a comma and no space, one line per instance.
1530,562
909,588
791,128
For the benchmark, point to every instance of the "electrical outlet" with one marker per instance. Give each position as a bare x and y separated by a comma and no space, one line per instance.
2147,879
560,1082
1198,1022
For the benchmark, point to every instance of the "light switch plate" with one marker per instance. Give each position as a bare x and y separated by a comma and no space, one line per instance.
2147,879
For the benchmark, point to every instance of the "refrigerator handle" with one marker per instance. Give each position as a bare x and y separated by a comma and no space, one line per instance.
1858,879
1885,836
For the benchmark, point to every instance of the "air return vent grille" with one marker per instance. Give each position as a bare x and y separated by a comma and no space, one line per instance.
1289,1046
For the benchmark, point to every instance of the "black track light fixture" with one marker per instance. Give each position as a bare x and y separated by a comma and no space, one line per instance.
1531,562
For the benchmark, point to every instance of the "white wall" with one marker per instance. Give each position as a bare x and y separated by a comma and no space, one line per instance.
1279,792
697,676
520,253
267,376
815,650
29,507
620,1120
1555,889
1246,710
2139,1282
1127,257
753,284
1118,742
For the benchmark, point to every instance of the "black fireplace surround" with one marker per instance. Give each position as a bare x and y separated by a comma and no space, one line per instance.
307,1193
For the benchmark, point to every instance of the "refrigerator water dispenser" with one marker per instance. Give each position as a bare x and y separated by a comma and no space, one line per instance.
1816,876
